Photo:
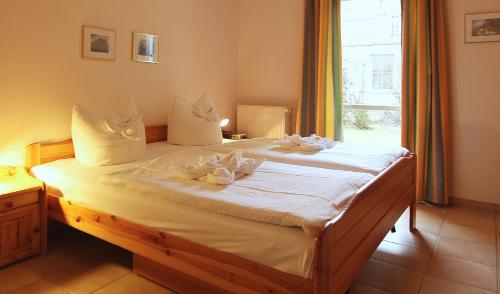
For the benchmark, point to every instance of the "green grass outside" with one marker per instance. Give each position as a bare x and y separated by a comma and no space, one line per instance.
376,134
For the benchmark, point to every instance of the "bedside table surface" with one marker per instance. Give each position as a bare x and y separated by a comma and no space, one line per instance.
21,182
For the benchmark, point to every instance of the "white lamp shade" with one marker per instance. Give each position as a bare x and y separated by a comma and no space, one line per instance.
224,122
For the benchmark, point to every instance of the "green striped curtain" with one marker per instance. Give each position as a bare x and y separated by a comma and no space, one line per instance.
320,109
425,129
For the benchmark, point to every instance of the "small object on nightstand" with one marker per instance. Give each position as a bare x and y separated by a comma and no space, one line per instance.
232,136
238,136
23,215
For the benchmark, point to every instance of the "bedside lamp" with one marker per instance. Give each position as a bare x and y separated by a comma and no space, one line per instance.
229,134
224,122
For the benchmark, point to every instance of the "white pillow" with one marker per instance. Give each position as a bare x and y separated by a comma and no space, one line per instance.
113,139
186,128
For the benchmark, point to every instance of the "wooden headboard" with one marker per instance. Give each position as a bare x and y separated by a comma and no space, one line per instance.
39,153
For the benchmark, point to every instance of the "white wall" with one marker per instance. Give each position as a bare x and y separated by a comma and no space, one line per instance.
42,73
475,107
270,41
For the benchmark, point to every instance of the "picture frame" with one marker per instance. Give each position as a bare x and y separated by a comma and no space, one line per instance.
145,48
482,27
98,43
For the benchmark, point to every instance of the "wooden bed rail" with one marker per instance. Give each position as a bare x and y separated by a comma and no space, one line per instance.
39,153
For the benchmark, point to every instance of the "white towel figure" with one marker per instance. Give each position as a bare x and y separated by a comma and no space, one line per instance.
127,128
190,171
307,144
205,108
220,169
220,176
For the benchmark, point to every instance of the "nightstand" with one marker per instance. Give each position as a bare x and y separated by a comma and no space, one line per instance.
23,216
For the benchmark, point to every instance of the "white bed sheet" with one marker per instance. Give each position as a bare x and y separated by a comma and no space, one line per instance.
371,159
287,249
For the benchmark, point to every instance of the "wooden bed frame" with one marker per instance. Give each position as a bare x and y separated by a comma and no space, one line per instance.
342,248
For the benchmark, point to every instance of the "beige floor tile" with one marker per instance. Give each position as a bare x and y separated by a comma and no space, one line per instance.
460,270
390,277
429,219
417,239
471,217
433,285
57,261
468,233
89,276
41,287
467,250
359,288
402,255
16,276
133,284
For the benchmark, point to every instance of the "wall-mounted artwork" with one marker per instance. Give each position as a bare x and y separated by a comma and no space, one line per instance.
145,48
98,43
484,27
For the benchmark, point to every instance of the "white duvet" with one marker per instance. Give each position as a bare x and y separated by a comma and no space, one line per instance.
371,159
275,193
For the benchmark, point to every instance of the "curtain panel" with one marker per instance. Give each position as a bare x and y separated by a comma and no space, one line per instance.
425,95
319,110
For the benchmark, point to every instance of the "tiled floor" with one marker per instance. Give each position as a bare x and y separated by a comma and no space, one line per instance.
453,251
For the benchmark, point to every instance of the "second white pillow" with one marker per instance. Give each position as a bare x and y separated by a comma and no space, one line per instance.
187,129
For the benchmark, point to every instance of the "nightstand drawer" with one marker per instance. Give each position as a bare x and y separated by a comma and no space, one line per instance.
14,201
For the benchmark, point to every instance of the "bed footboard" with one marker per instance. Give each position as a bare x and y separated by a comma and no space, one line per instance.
348,241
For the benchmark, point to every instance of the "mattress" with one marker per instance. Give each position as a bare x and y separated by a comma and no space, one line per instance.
371,159
260,242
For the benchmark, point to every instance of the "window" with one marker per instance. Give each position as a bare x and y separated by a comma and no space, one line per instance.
382,71
371,71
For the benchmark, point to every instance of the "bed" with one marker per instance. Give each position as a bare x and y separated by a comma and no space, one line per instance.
341,248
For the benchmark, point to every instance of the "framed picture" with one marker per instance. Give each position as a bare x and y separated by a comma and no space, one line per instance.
484,27
145,48
98,43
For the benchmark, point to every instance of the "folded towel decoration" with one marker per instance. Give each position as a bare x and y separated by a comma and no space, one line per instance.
204,108
126,128
220,169
307,144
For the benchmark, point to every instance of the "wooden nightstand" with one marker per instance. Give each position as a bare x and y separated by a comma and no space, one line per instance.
23,216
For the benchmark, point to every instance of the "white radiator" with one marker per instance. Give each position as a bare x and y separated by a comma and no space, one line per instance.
262,121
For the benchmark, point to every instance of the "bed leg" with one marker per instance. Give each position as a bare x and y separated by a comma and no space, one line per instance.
413,215
393,229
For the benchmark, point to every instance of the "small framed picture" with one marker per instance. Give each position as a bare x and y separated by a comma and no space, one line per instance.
98,43
484,27
145,48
